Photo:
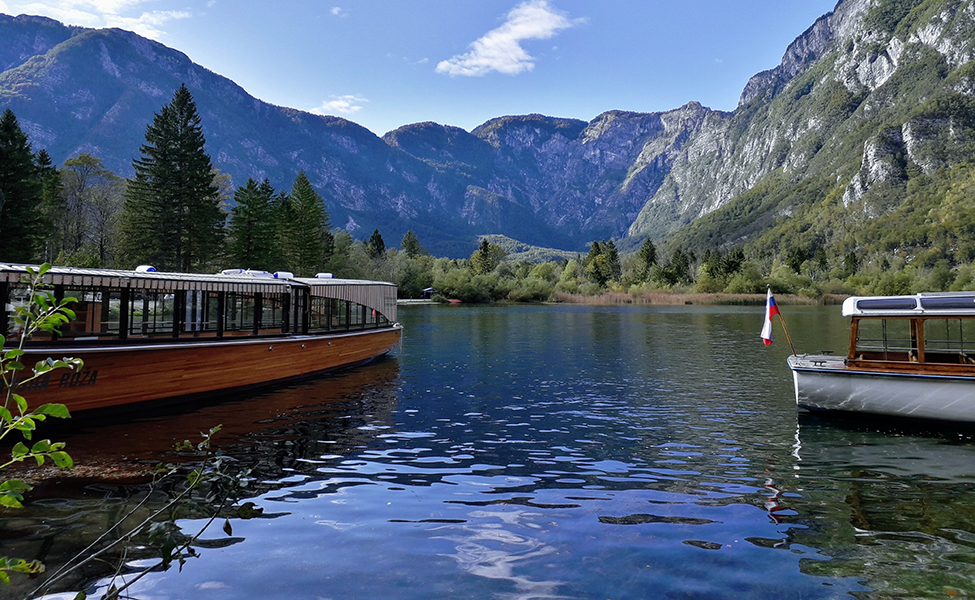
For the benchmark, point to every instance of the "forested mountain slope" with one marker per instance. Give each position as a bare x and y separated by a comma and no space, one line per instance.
870,107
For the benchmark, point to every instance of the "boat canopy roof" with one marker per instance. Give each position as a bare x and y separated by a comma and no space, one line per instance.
243,281
929,304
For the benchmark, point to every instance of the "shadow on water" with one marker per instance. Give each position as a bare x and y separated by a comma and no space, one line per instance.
270,433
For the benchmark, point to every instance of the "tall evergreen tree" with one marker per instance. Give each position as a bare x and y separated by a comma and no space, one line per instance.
22,188
376,248
306,241
253,240
411,245
647,255
172,211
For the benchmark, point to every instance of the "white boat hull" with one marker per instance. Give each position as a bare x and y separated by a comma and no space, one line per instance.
826,383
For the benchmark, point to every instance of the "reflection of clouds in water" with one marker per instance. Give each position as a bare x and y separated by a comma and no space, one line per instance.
478,552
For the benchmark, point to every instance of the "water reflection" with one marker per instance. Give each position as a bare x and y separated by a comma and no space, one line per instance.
570,452
900,503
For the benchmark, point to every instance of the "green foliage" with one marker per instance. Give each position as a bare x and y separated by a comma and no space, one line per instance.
252,233
411,245
647,259
602,264
303,229
23,180
486,258
887,14
376,247
172,216
43,313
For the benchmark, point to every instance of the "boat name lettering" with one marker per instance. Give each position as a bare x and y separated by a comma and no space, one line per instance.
81,379
36,385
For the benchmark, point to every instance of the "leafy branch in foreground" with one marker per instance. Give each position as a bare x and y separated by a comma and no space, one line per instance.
203,489
41,313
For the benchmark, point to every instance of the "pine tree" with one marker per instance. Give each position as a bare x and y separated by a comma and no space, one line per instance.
22,186
647,255
172,211
376,248
486,258
411,245
253,243
306,241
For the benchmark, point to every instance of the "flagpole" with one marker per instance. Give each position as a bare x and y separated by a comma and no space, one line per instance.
787,336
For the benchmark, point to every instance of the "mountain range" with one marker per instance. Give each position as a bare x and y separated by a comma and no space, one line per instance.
873,93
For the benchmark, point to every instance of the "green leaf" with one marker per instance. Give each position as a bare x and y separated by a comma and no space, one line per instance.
14,353
6,415
10,501
19,450
41,446
21,403
62,459
227,528
15,485
58,411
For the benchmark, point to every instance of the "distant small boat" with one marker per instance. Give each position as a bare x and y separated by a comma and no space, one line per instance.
147,336
909,356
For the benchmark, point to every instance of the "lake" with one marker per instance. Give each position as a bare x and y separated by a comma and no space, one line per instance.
554,451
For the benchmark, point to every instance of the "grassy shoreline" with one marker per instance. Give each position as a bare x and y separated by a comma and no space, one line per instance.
662,298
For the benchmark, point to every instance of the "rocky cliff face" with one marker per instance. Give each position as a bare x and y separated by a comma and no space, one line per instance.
871,92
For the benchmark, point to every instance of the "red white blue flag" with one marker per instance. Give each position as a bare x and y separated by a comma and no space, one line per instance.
771,308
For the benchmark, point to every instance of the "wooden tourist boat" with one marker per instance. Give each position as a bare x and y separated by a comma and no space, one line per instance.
909,356
147,336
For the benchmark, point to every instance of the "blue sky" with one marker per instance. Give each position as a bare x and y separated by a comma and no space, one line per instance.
387,63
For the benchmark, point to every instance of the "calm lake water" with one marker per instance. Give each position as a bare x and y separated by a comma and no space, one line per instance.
553,452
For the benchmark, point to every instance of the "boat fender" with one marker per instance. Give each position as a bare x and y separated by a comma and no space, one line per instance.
145,269
324,276
284,275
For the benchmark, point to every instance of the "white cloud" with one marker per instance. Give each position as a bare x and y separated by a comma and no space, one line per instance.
338,11
500,49
345,105
148,24
125,14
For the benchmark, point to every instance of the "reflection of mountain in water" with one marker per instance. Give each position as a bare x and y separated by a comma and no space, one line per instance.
275,433
905,517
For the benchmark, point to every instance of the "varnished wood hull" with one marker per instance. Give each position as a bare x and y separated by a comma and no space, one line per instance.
826,383
124,375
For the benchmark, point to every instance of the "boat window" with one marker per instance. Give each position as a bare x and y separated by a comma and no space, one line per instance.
340,316
200,313
96,312
885,339
356,316
949,341
272,311
321,310
16,297
151,313
239,313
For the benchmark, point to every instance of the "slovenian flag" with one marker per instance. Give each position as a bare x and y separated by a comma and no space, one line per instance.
771,308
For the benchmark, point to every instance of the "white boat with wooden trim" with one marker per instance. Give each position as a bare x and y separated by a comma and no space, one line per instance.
147,336
909,356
